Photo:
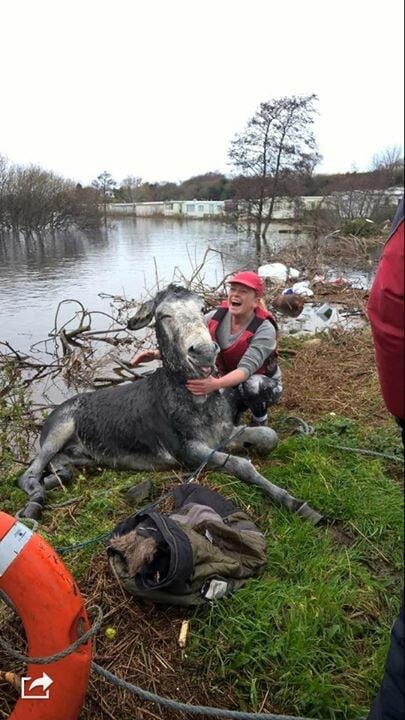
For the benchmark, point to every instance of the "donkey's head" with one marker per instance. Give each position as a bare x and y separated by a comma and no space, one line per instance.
185,345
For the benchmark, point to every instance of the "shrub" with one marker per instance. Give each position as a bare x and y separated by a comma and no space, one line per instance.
360,227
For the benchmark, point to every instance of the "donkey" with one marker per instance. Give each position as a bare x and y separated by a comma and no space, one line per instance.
154,423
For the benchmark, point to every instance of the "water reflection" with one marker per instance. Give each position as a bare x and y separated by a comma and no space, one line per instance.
126,259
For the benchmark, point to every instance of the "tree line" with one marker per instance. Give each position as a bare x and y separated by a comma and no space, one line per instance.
275,155
35,200
217,186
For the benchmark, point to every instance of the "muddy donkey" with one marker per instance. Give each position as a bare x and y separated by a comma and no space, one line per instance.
154,423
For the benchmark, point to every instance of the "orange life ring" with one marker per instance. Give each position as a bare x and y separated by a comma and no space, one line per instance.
51,608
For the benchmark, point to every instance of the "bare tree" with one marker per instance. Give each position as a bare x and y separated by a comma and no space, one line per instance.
390,164
129,187
367,195
277,140
105,185
35,200
3,188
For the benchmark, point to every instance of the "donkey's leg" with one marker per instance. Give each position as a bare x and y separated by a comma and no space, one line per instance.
140,462
64,464
262,439
244,470
30,480
63,467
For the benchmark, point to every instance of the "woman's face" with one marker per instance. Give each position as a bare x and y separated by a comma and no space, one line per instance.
242,300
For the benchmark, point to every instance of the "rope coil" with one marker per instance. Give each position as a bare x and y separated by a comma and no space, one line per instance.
46,660
184,707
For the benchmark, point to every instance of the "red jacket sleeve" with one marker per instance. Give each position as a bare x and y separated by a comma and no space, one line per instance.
386,315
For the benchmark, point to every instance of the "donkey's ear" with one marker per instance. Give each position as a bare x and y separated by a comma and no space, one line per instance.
143,316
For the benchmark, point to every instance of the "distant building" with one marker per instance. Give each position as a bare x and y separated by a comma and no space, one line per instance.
174,208
349,204
121,209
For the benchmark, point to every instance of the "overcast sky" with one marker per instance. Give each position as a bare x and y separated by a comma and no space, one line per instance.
158,88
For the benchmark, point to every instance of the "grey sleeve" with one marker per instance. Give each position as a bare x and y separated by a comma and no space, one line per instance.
263,343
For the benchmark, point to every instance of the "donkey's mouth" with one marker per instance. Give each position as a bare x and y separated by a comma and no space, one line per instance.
203,371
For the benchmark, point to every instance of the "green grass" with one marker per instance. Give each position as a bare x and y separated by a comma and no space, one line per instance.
311,633
314,629
101,504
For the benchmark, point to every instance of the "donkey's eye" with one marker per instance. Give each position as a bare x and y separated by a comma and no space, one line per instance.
165,317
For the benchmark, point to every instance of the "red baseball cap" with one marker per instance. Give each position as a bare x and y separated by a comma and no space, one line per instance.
250,279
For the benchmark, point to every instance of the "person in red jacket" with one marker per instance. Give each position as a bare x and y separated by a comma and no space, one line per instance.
386,315
386,307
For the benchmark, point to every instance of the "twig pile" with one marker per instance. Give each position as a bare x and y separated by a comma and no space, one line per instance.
332,373
318,253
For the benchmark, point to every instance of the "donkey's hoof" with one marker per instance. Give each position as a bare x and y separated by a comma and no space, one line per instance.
32,510
62,479
308,513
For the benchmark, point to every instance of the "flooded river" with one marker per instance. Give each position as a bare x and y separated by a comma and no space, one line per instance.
125,259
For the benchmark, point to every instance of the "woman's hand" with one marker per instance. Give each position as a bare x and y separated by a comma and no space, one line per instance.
203,386
144,356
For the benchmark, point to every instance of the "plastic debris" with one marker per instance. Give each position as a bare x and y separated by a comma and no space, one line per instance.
278,271
275,271
302,288
325,312
338,281
335,282
318,279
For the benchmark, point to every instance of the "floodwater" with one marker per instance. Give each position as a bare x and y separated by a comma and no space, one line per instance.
126,259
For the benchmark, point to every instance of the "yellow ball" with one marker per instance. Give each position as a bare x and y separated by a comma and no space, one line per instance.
110,633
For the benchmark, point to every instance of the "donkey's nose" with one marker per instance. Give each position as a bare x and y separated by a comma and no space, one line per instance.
203,351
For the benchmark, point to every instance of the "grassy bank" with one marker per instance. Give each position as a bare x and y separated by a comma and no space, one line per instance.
307,638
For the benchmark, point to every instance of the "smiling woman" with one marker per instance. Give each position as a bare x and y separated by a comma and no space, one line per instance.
246,334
